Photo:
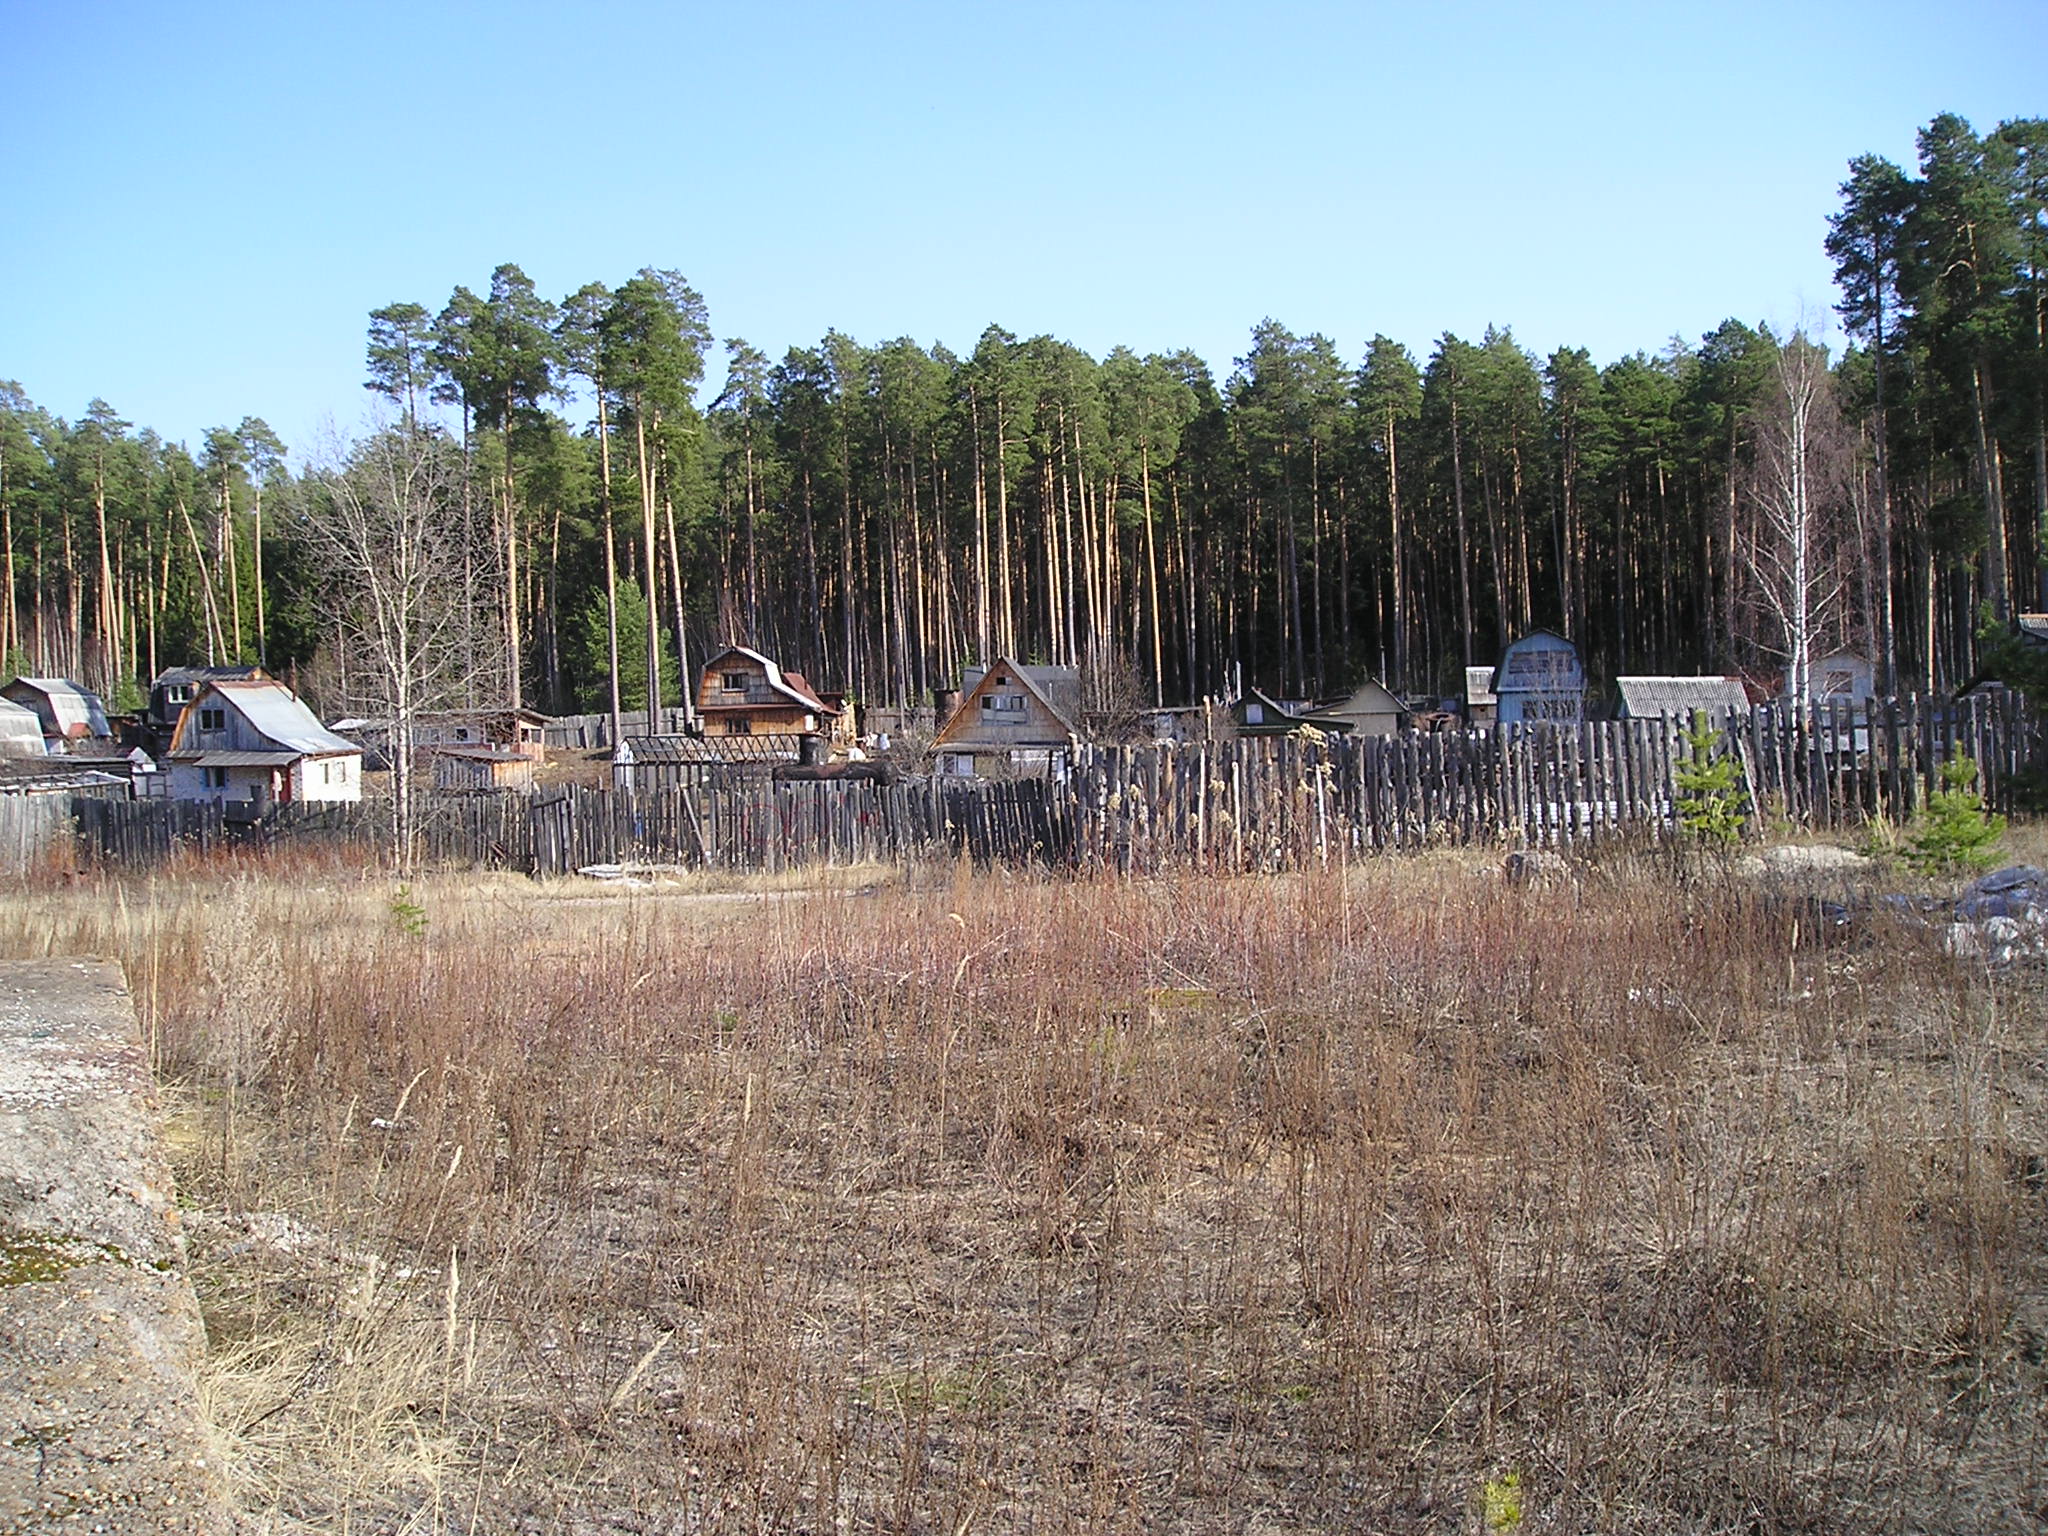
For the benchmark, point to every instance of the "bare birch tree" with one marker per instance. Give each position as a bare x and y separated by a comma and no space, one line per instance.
1795,542
384,530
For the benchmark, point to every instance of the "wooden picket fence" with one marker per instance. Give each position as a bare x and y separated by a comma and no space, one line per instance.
1265,804
1280,803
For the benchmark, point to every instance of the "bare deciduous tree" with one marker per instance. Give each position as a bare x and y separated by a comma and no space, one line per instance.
1797,540
384,531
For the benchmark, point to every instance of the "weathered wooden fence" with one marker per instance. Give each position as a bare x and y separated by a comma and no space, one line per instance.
1284,803
31,826
1291,802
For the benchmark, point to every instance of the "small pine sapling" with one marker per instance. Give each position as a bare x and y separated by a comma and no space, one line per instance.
1955,833
1710,802
407,915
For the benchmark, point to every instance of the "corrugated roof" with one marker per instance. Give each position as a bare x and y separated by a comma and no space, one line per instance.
276,712
21,733
1648,697
74,708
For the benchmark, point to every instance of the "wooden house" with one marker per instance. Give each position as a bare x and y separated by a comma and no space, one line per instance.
1256,713
251,743
1841,677
1482,704
1370,709
68,713
174,688
1540,680
1679,698
1011,718
742,693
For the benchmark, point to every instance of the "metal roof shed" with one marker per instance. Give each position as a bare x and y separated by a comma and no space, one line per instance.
21,733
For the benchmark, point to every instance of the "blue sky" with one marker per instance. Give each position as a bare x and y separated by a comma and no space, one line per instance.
203,202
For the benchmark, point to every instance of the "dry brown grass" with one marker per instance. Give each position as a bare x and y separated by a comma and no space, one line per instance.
977,1202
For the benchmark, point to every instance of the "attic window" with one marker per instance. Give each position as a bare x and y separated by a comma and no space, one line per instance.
1254,715
1003,703
735,682
213,719
1837,682
178,693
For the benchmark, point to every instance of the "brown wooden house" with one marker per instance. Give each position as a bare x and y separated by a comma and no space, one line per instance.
742,693
1010,719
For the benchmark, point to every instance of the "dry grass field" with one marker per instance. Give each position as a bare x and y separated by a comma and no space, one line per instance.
1388,1199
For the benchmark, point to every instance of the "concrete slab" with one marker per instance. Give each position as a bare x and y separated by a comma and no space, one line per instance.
100,1428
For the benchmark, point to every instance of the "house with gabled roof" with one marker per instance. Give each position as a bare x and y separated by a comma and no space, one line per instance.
1540,681
68,712
1010,719
1258,713
740,692
252,743
175,687
1370,709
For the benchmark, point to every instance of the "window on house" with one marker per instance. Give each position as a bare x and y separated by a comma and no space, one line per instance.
1254,714
1003,703
214,778
735,682
178,693
213,719
1837,683
462,733
739,725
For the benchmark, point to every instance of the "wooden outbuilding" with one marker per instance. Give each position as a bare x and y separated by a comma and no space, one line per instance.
474,768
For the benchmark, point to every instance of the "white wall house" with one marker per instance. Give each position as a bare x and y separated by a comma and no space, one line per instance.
252,743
